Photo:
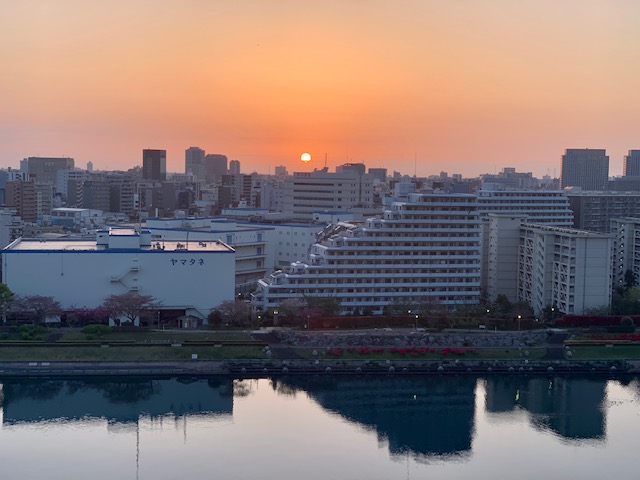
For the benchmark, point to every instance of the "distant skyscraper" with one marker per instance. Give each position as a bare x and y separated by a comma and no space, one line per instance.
154,165
631,166
89,166
215,166
234,167
280,171
585,168
194,162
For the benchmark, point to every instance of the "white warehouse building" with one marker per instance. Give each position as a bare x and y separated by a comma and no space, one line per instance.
82,273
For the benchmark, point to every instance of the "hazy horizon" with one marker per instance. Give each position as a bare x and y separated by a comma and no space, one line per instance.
463,87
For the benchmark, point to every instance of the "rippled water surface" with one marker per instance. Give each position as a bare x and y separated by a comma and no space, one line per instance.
320,428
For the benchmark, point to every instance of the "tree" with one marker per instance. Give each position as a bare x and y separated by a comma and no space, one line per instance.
6,297
235,312
128,305
629,280
37,307
328,306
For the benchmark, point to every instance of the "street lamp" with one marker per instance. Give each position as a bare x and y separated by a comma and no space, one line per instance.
259,321
275,318
519,318
416,322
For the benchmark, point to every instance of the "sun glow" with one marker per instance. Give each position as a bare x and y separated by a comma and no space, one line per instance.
305,157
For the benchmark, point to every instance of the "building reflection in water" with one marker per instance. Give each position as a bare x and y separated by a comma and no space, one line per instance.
427,416
118,401
570,407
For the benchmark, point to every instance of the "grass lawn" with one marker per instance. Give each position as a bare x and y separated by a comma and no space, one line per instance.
619,352
35,353
475,354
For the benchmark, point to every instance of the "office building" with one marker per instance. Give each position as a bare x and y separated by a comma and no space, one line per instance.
154,165
194,163
585,168
308,192
234,167
215,166
631,166
45,169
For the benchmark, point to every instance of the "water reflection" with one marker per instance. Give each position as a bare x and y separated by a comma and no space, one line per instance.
118,401
433,416
570,407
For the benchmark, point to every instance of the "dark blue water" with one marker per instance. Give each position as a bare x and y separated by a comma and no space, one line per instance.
320,428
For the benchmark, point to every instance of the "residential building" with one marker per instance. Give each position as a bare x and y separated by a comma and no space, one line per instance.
44,200
154,165
626,250
424,253
22,196
585,168
541,206
593,211
191,279
10,226
567,269
500,252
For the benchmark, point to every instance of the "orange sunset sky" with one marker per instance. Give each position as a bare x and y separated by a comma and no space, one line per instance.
463,86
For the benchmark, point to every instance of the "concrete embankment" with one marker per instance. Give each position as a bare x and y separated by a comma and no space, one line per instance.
74,368
272,369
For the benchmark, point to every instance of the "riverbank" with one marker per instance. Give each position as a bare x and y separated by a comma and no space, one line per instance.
253,369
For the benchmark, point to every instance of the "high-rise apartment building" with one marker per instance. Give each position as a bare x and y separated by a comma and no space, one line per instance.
626,250
564,268
585,168
541,206
422,253
631,166
154,165
593,211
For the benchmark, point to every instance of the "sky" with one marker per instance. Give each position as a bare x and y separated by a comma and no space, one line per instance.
417,86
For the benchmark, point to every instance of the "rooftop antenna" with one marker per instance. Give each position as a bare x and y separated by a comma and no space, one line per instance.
325,160
415,164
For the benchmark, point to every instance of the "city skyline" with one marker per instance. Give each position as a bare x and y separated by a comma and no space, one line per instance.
414,86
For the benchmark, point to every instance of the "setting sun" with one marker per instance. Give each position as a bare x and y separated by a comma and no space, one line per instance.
305,157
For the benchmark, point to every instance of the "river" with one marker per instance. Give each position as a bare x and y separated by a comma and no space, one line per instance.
319,428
